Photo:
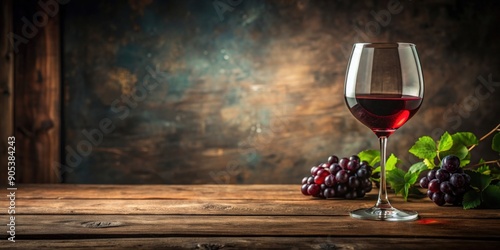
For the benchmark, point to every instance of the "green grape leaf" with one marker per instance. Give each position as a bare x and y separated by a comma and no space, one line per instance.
465,138
472,199
396,179
371,156
495,145
445,142
411,178
495,174
418,168
406,191
424,148
478,180
429,163
458,150
391,162
491,196
389,165
484,169
464,162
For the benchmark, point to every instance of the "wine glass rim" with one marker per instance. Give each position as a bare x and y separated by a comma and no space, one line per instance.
386,44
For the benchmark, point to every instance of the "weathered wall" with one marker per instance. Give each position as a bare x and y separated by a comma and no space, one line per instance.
253,94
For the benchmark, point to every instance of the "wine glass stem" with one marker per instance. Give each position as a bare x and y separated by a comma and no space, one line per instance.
383,201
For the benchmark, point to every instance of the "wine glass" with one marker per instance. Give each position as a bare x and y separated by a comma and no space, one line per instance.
384,88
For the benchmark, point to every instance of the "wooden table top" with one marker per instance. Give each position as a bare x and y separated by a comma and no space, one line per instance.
231,217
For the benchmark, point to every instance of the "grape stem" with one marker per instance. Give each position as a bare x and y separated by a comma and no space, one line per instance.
497,128
486,163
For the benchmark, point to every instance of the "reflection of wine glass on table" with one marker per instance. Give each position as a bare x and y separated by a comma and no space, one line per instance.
383,89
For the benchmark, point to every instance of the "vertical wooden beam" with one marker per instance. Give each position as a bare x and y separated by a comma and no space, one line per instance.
37,96
6,86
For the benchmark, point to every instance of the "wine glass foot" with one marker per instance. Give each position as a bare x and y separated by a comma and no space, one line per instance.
384,214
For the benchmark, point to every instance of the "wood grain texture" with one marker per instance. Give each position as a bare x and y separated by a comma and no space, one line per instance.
207,200
6,84
271,243
301,206
37,97
242,216
76,226
256,96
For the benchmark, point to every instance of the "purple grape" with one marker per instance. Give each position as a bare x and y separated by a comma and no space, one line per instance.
431,175
365,168
341,190
304,180
442,175
333,159
351,195
434,185
424,182
329,193
304,188
342,176
353,166
369,172
429,194
322,172
314,170
362,173
320,194
457,180
330,180
365,182
334,168
353,182
450,163
446,187
343,163
313,189
449,198
319,179
360,193
368,188
467,178
310,180
354,158
458,191
438,198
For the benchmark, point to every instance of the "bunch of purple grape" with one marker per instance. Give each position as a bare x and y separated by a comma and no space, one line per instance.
343,178
446,184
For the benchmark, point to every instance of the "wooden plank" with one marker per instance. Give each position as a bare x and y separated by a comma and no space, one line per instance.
184,192
426,209
117,226
228,243
208,199
37,98
6,85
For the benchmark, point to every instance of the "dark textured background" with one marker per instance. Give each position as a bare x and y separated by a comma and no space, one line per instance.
254,95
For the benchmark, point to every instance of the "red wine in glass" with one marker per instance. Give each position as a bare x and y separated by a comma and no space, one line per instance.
383,113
